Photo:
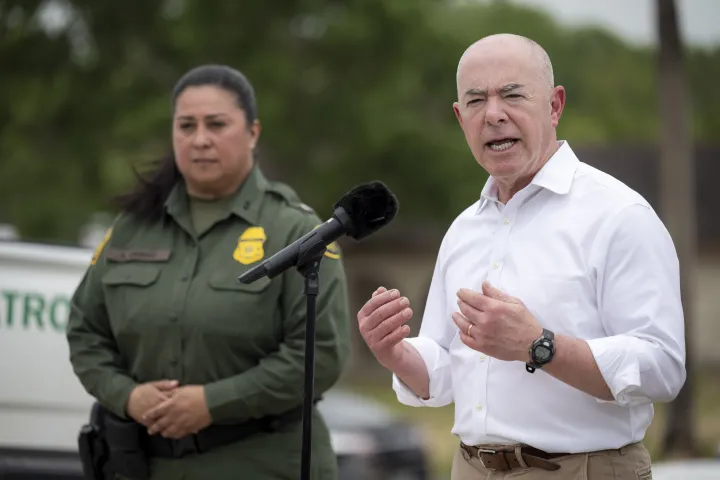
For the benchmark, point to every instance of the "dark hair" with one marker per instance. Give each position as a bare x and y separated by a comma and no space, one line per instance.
146,200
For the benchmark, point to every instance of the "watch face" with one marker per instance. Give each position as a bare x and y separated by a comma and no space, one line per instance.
542,353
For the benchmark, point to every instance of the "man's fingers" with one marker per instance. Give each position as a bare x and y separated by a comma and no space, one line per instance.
395,337
461,322
379,291
494,292
463,325
389,325
383,313
466,309
475,299
377,301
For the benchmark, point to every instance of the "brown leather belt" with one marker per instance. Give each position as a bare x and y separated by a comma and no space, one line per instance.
505,458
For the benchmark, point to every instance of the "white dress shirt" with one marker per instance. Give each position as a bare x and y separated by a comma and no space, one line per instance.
590,259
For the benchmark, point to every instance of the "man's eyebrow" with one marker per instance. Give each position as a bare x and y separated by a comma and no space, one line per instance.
475,91
510,87
504,89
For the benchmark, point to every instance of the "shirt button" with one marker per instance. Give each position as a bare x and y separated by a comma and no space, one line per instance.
482,358
506,221
479,407
496,265
173,362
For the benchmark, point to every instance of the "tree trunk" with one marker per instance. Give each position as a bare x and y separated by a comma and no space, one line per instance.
677,197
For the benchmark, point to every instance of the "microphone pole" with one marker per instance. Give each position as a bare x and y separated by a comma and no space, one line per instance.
309,267
311,272
309,255
359,213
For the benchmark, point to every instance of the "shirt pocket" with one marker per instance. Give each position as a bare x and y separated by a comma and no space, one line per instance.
129,295
558,303
239,309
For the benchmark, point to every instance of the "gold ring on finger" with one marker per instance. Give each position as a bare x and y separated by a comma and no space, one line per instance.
469,328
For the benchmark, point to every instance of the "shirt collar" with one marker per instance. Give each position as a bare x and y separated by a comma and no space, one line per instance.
556,175
245,203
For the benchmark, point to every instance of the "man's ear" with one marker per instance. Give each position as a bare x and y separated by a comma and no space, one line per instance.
458,115
557,104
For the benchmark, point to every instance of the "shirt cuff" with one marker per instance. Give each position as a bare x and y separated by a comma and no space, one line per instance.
223,402
119,395
618,358
437,362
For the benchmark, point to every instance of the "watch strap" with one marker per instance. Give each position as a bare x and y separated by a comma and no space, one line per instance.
547,335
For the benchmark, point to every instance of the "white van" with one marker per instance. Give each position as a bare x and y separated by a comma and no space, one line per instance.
42,404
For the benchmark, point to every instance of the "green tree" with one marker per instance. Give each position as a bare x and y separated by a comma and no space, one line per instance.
348,91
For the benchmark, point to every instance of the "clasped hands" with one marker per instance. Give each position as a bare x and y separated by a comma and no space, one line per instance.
495,323
168,409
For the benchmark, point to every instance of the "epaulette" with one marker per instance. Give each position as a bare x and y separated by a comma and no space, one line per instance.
290,196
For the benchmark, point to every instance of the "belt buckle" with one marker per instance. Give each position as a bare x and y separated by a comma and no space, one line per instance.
489,451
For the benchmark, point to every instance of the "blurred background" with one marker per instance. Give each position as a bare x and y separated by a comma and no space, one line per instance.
355,90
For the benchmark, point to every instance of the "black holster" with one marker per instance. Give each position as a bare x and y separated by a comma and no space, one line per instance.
111,445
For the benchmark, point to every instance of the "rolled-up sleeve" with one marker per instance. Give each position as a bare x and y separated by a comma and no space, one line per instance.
643,357
432,343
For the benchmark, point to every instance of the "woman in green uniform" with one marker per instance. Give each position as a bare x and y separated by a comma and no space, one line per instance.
163,334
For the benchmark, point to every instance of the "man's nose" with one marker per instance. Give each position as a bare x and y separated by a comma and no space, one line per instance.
495,112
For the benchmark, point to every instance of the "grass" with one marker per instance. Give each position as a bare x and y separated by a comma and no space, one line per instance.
437,422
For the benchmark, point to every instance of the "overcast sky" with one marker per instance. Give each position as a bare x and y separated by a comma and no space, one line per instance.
634,20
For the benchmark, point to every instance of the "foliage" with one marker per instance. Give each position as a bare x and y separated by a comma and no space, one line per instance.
348,91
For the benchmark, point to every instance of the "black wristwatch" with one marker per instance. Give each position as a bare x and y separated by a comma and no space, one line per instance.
542,351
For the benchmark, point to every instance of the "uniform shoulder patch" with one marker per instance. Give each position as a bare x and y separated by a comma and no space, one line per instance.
99,249
250,246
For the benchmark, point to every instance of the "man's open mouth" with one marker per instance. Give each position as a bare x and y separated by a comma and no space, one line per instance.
502,144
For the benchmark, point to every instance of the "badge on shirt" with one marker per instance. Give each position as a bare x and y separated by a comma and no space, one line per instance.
332,250
250,246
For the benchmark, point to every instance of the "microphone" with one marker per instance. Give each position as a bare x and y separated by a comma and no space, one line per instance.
360,212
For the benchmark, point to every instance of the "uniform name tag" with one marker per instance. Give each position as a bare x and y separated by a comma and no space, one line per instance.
137,255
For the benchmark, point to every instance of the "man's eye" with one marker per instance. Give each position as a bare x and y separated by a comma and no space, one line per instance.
474,100
186,126
216,124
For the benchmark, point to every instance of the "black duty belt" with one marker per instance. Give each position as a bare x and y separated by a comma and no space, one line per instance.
215,436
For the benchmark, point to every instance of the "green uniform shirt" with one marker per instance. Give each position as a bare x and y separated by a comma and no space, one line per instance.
159,302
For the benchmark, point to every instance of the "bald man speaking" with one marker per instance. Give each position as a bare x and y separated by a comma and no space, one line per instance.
554,319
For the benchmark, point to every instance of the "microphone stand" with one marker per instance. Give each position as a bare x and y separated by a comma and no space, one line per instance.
309,267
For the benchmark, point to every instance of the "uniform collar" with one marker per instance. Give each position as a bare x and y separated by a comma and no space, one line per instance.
556,175
245,203
249,196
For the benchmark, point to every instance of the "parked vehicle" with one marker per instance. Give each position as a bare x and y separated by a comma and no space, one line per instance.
43,405
696,469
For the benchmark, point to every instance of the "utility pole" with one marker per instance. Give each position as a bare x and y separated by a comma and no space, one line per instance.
677,206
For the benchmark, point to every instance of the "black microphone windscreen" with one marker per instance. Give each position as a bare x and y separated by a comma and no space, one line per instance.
369,206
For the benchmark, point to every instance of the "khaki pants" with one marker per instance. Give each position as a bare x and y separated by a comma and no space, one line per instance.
628,463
